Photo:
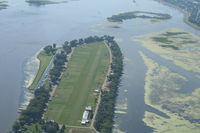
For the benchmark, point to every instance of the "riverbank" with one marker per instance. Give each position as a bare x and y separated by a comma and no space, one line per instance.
44,60
105,114
185,13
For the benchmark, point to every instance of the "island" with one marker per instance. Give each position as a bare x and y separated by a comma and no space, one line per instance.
44,2
3,5
80,86
138,14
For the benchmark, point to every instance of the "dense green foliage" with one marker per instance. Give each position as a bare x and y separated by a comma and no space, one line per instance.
50,49
104,118
59,62
34,111
138,14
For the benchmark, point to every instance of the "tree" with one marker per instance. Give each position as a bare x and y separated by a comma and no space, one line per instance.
48,49
16,127
73,43
54,46
66,43
81,41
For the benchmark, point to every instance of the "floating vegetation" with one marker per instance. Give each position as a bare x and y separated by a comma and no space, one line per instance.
176,45
3,5
138,14
155,21
100,27
161,93
120,112
121,108
116,129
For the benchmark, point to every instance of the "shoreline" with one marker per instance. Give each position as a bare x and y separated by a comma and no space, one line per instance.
185,14
39,74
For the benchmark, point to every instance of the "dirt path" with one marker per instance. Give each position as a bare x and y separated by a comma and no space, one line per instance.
102,88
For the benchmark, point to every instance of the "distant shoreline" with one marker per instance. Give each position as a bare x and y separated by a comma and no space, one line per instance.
185,13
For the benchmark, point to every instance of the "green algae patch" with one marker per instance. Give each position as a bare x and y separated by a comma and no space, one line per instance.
172,125
161,93
121,108
101,27
176,45
116,129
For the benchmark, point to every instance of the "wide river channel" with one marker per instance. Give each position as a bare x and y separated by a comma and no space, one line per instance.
25,29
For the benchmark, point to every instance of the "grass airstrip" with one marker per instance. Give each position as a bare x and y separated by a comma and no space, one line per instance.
86,71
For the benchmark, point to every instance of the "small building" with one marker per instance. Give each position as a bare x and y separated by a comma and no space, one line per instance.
86,115
97,90
88,108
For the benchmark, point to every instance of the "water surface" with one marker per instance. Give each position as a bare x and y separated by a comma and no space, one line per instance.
25,29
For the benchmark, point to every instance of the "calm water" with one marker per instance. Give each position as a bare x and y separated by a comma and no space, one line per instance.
25,29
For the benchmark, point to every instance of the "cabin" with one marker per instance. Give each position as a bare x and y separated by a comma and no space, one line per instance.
85,117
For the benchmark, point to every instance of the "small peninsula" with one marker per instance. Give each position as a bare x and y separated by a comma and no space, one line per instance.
85,74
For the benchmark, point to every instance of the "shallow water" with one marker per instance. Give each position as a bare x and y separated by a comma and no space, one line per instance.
25,29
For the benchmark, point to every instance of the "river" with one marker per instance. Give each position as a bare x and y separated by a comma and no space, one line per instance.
25,29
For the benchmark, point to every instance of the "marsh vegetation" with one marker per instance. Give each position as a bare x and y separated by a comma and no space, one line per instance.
161,92
138,14
44,2
184,47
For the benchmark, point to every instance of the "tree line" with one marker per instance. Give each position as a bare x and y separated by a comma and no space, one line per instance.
105,115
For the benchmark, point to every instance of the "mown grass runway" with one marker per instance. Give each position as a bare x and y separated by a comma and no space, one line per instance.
85,72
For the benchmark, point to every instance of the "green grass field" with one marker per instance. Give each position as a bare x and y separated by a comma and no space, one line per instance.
33,128
44,62
85,72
